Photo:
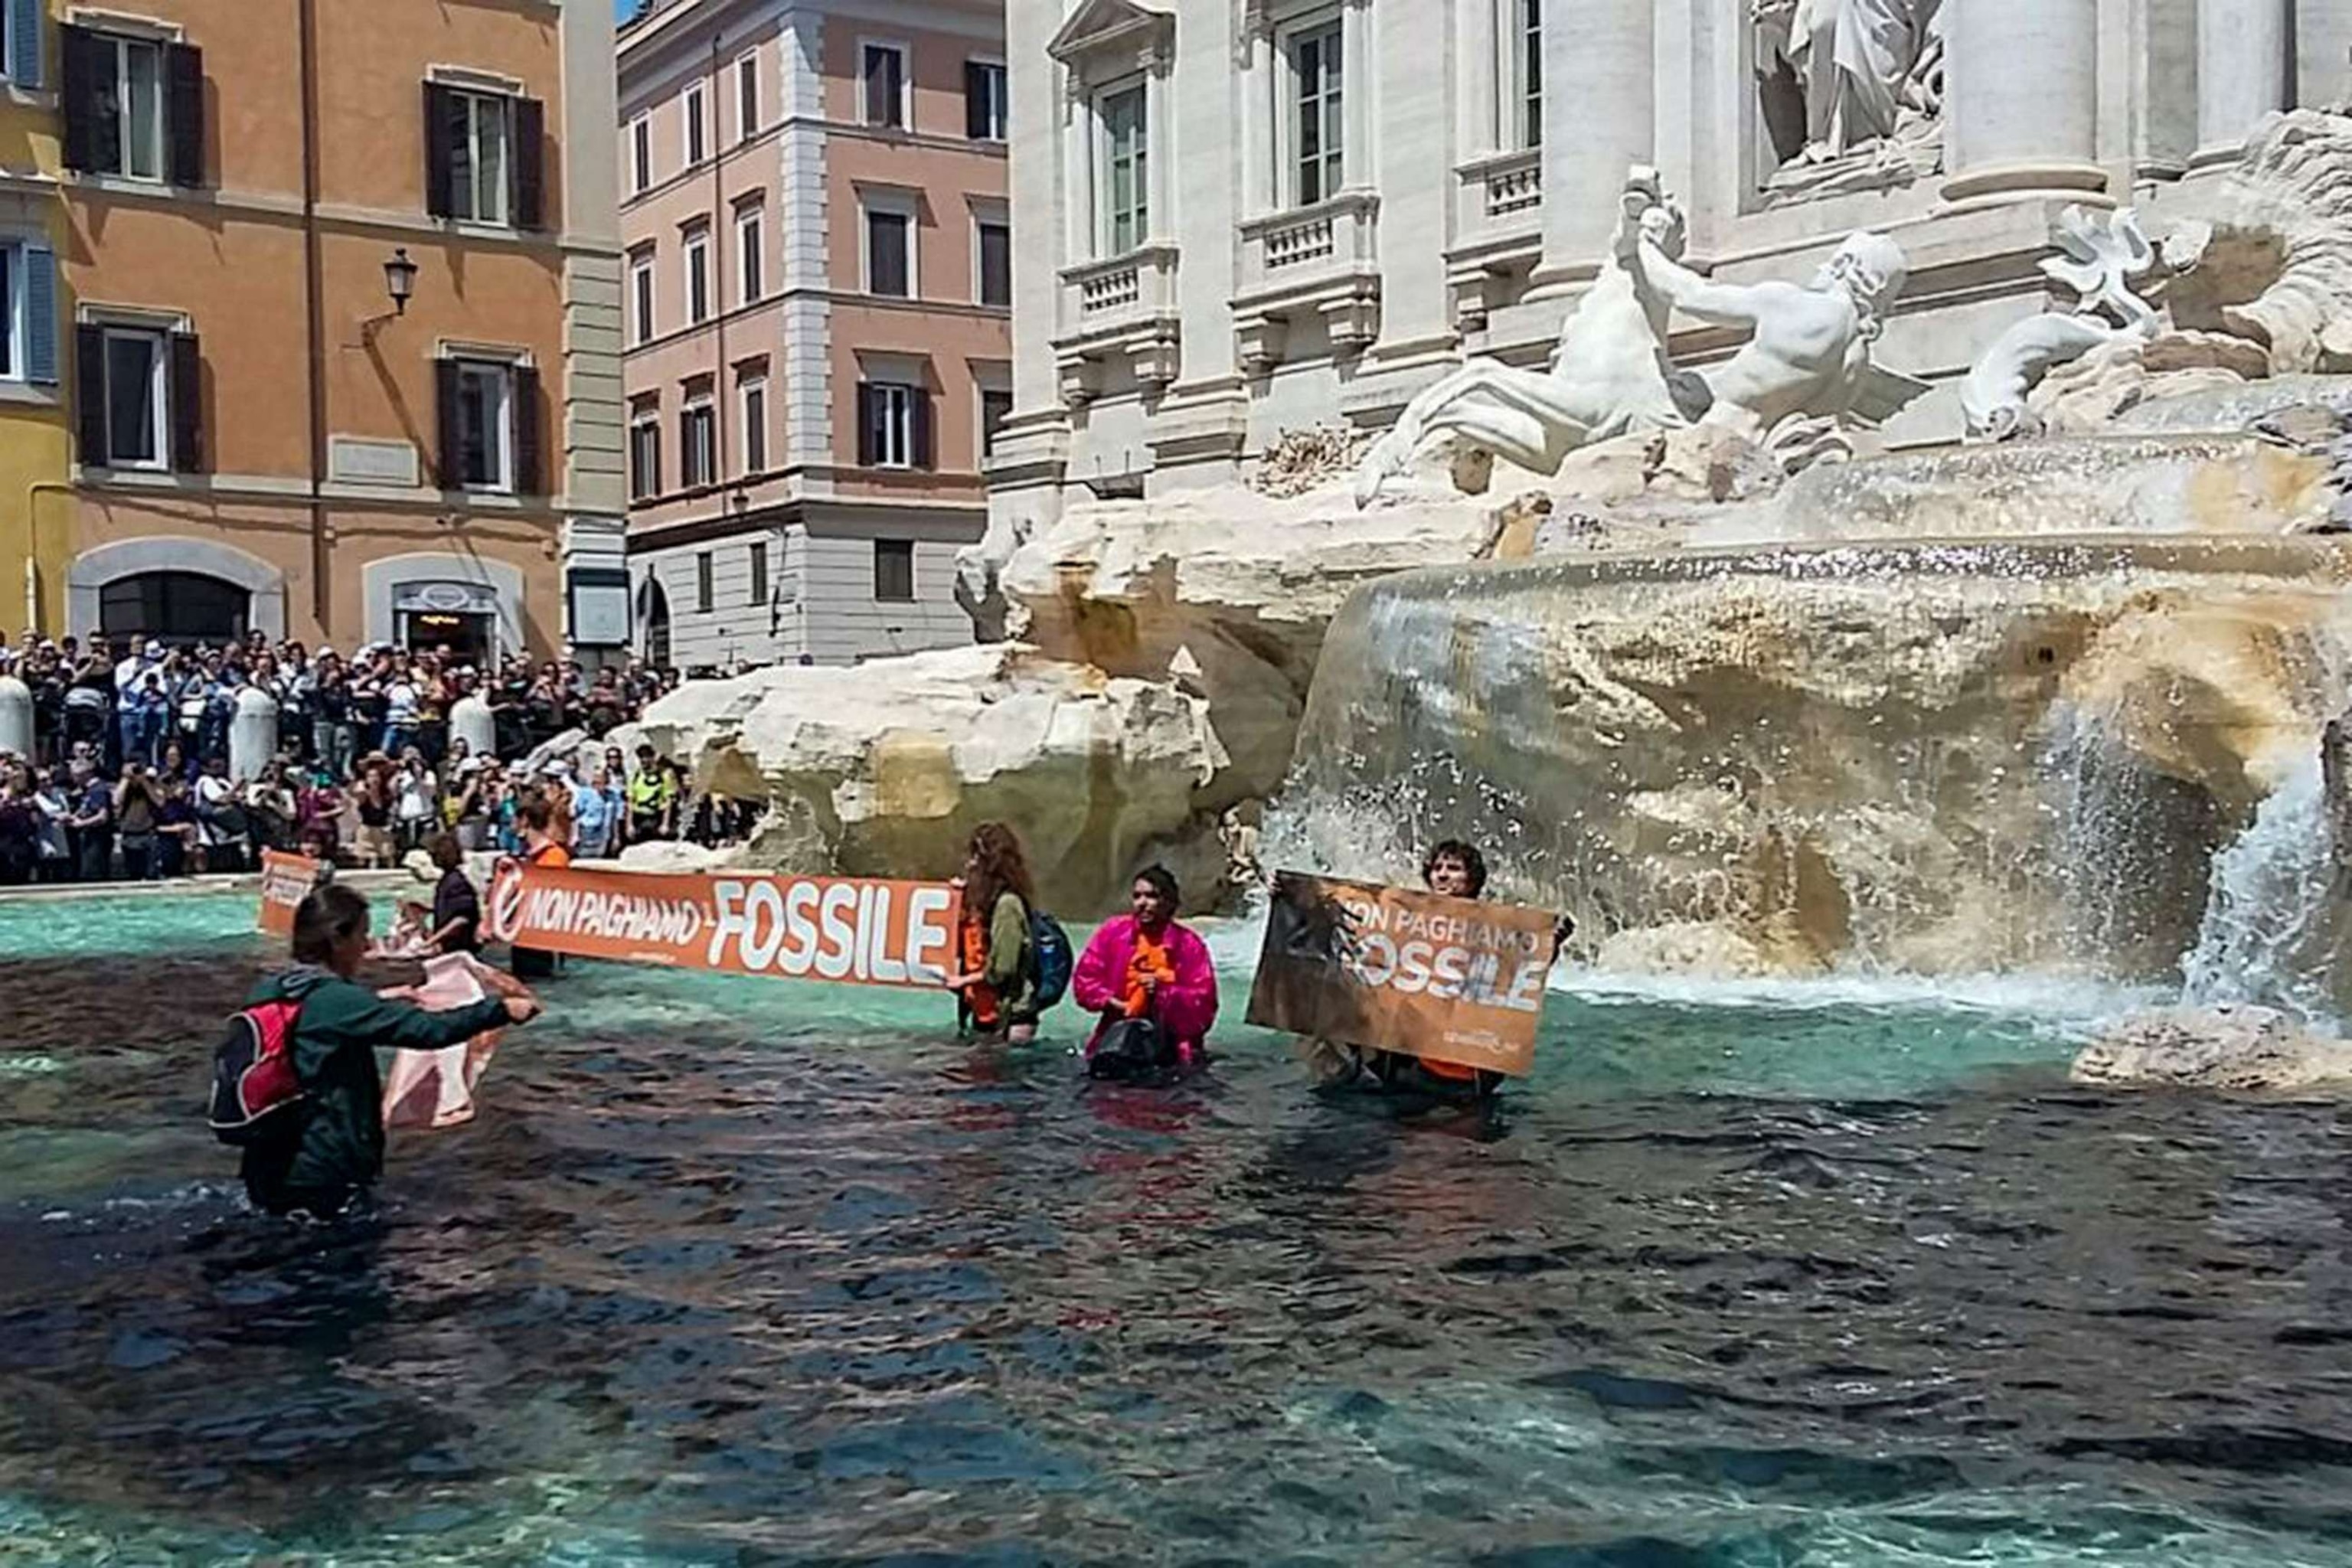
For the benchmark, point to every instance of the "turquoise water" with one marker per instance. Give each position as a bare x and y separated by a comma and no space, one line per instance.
737,1271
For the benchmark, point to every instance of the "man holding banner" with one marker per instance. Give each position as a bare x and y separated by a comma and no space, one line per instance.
1433,993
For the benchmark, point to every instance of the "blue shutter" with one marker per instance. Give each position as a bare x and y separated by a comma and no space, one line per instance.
40,315
23,62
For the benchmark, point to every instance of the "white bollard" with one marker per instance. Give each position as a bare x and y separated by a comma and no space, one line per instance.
16,717
252,733
471,721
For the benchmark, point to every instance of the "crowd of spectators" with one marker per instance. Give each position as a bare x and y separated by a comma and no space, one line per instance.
129,775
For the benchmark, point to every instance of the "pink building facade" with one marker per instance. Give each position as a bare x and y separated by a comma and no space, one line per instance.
815,299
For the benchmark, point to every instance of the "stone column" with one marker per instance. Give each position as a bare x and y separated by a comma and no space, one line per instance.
1600,114
2021,101
1162,136
2244,50
2323,53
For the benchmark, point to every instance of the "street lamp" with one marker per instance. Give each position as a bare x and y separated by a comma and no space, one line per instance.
400,281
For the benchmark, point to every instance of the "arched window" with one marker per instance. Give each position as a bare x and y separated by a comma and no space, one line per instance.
653,621
177,607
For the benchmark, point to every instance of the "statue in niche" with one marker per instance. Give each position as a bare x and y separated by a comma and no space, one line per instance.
1850,91
1791,389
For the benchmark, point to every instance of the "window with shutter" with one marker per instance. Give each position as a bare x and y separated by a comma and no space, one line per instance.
21,53
747,97
440,141
644,456
698,277
482,438
754,395
186,403
38,265
892,423
918,420
894,571
884,72
117,118
890,262
995,408
137,392
12,313
90,393
184,109
983,101
641,295
480,149
530,163
528,478
750,254
995,264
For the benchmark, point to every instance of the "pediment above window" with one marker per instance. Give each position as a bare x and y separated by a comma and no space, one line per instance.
1103,28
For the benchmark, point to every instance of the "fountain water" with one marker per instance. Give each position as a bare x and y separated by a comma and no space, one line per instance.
2268,936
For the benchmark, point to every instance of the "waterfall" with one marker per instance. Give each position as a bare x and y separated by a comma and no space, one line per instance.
2266,936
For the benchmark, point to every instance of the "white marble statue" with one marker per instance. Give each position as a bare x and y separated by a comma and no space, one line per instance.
2099,262
1811,353
1609,373
1865,68
1809,359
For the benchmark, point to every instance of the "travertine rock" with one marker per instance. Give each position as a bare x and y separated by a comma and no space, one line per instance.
2241,1048
884,769
1946,758
1228,592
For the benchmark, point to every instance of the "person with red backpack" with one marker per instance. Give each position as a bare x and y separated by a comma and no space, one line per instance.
313,1141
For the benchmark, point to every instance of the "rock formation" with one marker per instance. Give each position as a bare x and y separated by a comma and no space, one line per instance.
2243,1049
1926,758
1227,594
884,769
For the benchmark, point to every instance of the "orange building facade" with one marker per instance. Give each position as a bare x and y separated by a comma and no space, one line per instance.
817,298
338,303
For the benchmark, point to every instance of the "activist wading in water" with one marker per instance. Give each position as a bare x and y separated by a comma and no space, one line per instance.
1012,960
1414,1000
1152,985
995,980
296,1084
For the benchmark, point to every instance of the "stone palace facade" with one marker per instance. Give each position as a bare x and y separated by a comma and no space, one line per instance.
1242,216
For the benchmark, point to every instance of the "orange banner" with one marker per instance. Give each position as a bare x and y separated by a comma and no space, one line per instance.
806,928
286,881
1450,979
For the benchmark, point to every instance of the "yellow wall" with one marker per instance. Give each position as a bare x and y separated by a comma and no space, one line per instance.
36,513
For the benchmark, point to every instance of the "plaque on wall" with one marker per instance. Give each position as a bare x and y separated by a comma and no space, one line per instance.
358,460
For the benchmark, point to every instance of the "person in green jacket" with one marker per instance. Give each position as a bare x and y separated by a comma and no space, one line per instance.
996,981
332,1151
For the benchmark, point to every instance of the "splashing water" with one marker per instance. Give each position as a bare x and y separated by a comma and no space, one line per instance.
2266,934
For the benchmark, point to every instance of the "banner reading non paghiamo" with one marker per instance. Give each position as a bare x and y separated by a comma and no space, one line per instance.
1453,979
862,931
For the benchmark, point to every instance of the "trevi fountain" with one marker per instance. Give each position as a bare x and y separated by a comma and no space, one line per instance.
1740,686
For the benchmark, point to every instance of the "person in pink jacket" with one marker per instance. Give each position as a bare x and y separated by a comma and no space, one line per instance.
1146,966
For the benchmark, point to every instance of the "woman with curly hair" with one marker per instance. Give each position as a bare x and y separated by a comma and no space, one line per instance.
996,984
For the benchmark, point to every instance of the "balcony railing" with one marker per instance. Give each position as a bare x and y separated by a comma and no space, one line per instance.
1501,194
1119,308
1106,295
1498,231
1309,246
